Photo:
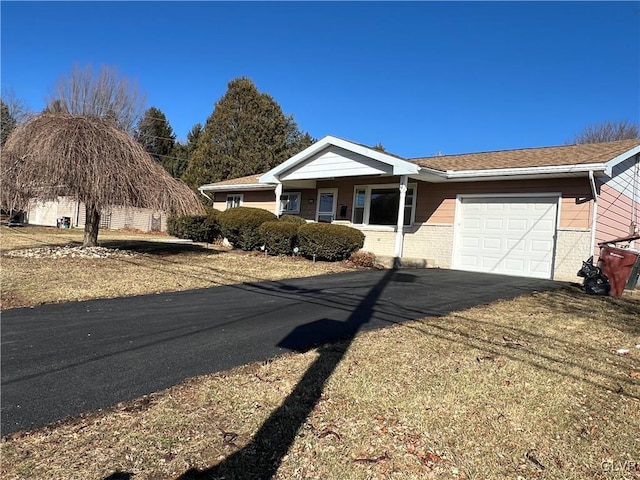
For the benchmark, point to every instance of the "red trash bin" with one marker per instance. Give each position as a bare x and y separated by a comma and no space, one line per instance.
617,264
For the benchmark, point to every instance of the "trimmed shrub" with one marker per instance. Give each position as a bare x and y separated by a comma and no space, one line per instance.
240,226
327,241
293,219
199,228
279,237
362,259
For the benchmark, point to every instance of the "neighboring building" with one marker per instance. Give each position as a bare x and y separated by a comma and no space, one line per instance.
48,213
534,212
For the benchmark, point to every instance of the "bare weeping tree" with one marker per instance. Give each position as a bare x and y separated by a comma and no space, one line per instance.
91,160
607,132
104,94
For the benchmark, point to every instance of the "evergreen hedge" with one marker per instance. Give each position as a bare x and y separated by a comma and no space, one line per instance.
279,237
240,226
328,241
293,219
199,228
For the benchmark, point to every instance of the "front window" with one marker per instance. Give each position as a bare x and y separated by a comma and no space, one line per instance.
234,200
378,205
290,202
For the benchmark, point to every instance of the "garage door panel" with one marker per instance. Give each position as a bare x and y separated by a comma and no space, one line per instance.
514,264
492,243
469,261
541,246
472,223
515,245
517,225
470,242
494,207
474,208
489,262
543,207
508,235
494,224
519,207
546,225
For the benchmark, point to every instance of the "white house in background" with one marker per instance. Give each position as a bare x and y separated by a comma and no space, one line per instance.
534,212
48,213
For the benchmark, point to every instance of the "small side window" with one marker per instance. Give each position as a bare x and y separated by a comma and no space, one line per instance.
290,202
234,200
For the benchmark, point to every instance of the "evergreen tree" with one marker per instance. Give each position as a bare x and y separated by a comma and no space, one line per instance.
181,152
246,134
155,134
8,122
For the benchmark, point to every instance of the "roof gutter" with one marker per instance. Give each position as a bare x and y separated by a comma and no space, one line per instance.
506,172
238,187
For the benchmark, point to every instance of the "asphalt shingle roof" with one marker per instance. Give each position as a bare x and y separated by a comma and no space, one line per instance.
248,180
530,157
521,158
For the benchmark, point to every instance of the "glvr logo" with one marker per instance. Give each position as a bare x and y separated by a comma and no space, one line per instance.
621,466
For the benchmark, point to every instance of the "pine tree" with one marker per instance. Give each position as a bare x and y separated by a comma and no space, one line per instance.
246,134
181,152
156,136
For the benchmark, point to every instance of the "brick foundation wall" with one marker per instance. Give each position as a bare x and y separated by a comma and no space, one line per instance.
572,247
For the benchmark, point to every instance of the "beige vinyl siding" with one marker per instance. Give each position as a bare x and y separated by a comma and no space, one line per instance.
265,199
436,202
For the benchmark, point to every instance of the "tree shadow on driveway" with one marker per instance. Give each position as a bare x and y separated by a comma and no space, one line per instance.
262,456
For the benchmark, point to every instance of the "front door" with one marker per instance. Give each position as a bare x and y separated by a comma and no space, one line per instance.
327,200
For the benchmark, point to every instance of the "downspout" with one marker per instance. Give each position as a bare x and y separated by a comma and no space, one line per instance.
594,216
205,195
276,210
635,201
397,253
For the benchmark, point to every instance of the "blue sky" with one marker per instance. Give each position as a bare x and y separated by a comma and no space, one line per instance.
419,77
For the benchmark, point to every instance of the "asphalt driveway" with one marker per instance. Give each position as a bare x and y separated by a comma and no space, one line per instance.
61,360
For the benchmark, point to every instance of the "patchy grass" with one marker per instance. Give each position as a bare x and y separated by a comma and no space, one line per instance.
530,388
32,237
162,266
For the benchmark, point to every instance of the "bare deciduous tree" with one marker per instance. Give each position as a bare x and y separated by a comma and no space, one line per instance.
16,107
89,159
607,132
103,95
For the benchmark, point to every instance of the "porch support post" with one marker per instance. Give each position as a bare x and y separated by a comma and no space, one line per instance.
278,195
397,253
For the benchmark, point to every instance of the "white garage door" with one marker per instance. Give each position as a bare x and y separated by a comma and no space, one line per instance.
507,235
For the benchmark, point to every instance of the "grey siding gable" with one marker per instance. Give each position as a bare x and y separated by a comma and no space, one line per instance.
625,178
